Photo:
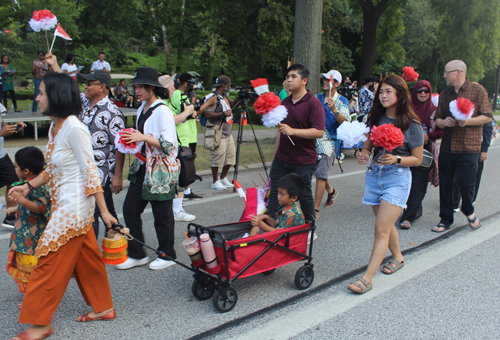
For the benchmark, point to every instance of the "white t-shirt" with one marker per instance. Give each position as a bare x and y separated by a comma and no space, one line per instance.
71,69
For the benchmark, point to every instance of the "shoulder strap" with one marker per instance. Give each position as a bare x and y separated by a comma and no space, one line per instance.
144,117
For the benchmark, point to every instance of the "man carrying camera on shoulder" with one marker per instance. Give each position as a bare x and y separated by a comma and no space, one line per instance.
218,137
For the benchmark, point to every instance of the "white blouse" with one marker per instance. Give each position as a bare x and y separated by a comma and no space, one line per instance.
73,179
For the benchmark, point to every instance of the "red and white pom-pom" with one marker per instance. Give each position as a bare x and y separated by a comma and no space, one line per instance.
435,99
43,20
133,148
462,108
268,104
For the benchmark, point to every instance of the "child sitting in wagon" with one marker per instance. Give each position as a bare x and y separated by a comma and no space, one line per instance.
290,188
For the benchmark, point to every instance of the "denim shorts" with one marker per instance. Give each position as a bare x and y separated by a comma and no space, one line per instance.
391,183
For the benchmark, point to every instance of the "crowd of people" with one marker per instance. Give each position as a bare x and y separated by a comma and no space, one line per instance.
55,231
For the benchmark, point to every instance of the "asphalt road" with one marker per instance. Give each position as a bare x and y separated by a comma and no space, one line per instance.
448,288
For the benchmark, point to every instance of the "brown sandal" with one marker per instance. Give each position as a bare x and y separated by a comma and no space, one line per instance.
362,284
393,265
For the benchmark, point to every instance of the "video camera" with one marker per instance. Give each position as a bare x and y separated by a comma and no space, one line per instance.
347,92
246,92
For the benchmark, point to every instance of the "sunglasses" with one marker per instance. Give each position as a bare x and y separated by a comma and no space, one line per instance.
89,83
423,91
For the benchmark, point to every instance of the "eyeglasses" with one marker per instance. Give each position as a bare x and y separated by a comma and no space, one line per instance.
423,91
89,83
448,72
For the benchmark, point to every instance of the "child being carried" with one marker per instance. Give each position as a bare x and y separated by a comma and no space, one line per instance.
32,217
290,188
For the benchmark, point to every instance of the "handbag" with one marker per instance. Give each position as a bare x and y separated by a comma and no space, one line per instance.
186,157
426,160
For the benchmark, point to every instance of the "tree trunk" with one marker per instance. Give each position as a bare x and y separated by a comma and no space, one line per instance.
371,16
180,50
164,34
497,85
307,39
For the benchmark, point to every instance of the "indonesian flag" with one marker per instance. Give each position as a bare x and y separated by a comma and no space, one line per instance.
240,190
59,32
260,85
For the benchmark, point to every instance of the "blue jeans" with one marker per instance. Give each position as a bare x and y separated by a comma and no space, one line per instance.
391,183
280,169
37,91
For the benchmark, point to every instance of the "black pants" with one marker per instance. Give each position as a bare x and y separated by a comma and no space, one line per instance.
192,146
108,197
163,215
419,182
12,97
280,169
456,189
462,168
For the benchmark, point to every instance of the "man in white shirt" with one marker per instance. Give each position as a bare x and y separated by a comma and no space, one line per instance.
100,64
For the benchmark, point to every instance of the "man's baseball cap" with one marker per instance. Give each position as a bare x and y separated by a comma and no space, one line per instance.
336,75
222,80
184,77
99,75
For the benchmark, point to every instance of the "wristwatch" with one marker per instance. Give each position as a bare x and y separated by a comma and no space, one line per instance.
336,113
399,160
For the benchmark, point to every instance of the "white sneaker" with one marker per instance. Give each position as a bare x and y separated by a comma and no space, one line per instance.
218,186
226,183
131,263
183,216
315,237
160,264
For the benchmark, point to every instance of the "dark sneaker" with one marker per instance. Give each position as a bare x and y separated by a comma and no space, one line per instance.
9,222
193,197
330,199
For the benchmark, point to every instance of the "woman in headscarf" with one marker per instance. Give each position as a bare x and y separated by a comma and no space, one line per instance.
424,108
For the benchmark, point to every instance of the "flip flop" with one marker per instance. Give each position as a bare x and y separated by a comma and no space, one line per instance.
405,225
393,265
440,225
472,221
362,284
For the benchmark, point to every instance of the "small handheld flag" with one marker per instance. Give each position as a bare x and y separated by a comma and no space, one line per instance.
59,32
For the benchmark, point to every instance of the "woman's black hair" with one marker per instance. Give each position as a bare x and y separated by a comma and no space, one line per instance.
160,92
293,184
30,158
38,53
63,94
69,57
3,56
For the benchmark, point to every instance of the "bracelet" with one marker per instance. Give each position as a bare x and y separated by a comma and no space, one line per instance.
30,186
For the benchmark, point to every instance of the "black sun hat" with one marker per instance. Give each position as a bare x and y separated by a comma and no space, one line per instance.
146,76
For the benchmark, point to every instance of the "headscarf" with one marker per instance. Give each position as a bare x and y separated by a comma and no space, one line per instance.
422,109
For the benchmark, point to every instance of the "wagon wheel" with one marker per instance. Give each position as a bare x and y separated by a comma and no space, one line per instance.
355,153
203,291
304,277
269,272
225,299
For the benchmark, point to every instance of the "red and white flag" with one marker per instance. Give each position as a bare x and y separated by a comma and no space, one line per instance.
61,33
240,190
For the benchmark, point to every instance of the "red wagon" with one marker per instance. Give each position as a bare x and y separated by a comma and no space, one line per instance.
241,257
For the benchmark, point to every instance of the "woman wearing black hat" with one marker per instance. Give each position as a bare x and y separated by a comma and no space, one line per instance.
155,180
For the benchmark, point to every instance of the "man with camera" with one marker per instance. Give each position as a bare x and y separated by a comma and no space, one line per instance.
365,98
184,115
218,137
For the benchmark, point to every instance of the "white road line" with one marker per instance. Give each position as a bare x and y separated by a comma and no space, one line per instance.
297,322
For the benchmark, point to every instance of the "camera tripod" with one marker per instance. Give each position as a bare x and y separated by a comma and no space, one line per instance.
239,140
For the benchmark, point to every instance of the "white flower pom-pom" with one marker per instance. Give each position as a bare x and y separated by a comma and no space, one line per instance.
275,116
435,99
351,133
43,24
